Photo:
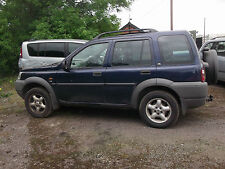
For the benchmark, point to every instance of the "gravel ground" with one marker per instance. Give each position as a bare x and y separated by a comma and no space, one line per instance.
110,138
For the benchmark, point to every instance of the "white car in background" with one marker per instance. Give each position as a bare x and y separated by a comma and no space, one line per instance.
41,53
216,61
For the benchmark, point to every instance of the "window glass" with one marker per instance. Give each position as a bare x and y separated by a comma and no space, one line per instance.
209,45
49,49
91,56
131,53
54,50
221,49
175,50
41,51
73,46
33,49
218,46
146,55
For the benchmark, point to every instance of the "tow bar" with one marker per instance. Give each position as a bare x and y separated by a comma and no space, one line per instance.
209,98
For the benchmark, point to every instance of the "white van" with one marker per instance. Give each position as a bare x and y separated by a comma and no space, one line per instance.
41,53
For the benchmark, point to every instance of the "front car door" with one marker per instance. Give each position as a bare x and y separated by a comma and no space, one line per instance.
84,82
131,63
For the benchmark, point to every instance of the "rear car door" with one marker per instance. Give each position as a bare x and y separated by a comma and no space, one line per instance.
84,82
177,62
131,63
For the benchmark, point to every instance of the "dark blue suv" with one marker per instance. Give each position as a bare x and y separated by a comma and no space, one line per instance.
158,73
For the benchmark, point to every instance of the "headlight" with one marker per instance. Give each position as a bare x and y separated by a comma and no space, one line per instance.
19,76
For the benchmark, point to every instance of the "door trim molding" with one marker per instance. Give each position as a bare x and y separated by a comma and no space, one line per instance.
94,84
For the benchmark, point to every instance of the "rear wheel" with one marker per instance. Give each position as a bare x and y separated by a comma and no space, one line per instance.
38,102
159,109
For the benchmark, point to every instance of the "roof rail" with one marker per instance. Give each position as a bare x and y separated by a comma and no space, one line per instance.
218,37
128,31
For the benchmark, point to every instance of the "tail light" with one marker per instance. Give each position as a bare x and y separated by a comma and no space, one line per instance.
21,53
203,74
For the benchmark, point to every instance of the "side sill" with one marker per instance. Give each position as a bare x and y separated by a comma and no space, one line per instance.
82,104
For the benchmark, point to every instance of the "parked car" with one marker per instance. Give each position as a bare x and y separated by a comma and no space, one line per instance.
44,52
217,61
158,73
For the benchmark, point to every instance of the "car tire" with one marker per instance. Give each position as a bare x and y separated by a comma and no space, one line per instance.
212,70
159,109
38,102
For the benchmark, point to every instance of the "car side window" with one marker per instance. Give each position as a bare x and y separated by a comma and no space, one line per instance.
49,49
219,47
175,50
131,53
209,45
33,49
55,49
91,56
73,46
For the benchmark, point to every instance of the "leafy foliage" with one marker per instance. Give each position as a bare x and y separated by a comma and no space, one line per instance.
22,20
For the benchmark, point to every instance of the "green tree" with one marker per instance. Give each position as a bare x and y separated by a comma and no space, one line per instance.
22,20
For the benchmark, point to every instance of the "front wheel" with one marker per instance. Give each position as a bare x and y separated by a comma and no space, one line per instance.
38,102
159,109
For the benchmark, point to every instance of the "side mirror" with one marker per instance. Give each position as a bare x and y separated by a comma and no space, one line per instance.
65,65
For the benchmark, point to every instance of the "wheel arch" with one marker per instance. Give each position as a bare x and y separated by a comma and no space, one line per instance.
39,82
152,85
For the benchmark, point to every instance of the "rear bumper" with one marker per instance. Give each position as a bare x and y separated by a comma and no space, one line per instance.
193,103
19,84
192,94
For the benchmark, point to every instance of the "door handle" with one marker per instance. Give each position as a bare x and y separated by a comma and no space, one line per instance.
97,74
145,72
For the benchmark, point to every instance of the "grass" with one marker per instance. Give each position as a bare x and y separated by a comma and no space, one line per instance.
6,86
8,95
5,95
7,83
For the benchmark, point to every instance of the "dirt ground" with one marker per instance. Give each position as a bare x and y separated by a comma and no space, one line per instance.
110,138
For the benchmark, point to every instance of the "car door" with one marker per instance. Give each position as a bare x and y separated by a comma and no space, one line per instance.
84,81
131,63
177,61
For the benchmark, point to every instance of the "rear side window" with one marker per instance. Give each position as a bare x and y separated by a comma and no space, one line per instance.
175,50
33,49
49,49
55,50
132,53
73,46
